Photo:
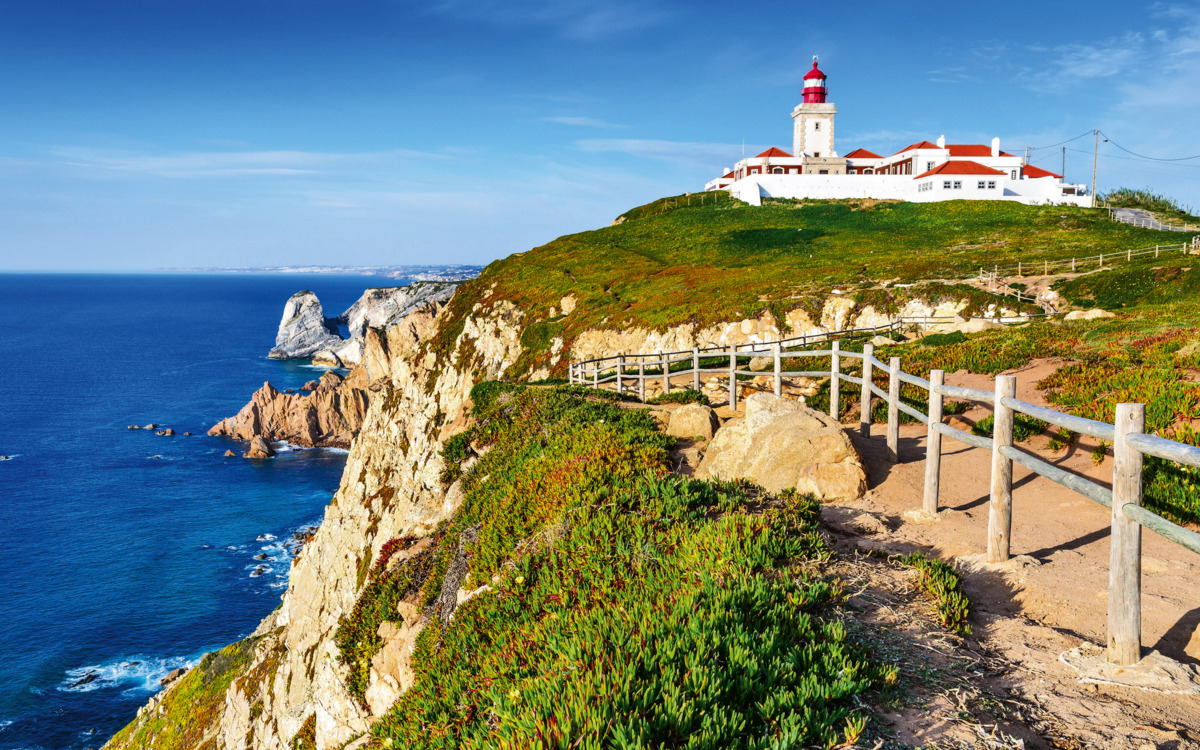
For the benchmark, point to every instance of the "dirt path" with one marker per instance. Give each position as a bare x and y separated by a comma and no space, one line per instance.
1054,596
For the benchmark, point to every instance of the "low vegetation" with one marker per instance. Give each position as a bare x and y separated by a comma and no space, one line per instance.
681,260
627,606
943,585
1165,207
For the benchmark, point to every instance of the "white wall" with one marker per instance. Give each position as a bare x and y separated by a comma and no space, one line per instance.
754,188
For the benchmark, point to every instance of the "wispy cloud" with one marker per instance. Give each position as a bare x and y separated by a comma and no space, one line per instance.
1071,63
678,152
583,122
213,164
587,20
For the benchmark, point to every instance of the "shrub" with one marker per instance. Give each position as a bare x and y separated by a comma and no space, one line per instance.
943,339
687,396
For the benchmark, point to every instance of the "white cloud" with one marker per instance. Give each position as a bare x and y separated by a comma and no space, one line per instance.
587,20
210,164
583,122
692,154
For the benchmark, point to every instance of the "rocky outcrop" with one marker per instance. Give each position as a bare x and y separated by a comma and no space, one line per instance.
782,443
693,421
305,332
304,329
329,416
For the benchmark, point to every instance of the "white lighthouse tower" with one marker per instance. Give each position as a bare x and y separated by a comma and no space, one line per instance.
812,130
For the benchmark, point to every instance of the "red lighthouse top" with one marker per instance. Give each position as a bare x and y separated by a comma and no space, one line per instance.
814,85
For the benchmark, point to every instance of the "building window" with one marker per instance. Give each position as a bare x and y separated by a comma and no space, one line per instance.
777,170
816,154
817,126
823,171
958,184
869,171
1014,174
980,185
991,185
946,185
928,166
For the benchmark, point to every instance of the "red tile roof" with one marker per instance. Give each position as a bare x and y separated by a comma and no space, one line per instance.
727,176
773,152
1035,172
971,149
862,153
922,144
960,167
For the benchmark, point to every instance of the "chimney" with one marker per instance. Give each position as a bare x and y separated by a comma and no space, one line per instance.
995,147
941,141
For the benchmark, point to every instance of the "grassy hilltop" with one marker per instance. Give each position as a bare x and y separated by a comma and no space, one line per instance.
681,260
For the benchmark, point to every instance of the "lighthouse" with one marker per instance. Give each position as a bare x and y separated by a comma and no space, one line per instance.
812,129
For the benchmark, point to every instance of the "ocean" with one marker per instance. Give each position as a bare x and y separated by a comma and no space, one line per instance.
127,554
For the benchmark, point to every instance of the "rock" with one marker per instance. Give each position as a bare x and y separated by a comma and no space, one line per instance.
150,427
187,434
258,571
259,448
289,390
693,421
329,416
261,556
160,433
305,332
173,675
166,433
134,427
87,679
6,458
230,454
304,329
1089,314
884,341
758,364
781,443
311,385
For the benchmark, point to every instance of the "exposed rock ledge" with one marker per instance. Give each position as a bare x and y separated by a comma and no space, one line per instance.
328,417
305,332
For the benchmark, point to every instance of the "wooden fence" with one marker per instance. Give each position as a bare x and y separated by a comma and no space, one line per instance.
1079,265
1150,223
1127,436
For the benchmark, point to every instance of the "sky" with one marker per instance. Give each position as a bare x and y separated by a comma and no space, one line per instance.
146,134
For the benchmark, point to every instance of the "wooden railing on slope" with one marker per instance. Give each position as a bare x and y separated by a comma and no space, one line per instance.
1127,436
1090,263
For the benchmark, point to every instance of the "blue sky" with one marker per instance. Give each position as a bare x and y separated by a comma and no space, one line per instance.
138,134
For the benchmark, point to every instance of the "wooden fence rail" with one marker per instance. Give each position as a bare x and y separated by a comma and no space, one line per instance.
1074,265
1127,436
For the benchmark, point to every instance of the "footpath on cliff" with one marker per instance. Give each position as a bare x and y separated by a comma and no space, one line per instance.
1004,685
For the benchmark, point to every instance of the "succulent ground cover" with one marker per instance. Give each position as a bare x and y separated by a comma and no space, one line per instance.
627,606
941,582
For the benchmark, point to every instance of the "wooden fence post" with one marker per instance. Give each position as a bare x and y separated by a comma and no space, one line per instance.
893,426
571,373
835,382
595,374
696,369
641,379
1072,265
1125,556
864,399
666,373
1000,504
733,377
933,444
778,370
620,371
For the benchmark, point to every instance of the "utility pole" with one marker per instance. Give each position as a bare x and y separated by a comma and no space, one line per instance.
1026,156
1064,167
1095,156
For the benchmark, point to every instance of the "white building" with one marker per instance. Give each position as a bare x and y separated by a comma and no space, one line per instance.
922,172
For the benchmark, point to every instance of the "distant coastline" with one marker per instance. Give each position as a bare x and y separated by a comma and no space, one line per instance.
411,273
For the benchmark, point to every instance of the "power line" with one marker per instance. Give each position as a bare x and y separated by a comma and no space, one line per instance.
1143,156
1061,143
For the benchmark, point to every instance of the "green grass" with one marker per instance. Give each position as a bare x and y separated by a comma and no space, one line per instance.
629,607
672,263
1165,207
680,397
1149,282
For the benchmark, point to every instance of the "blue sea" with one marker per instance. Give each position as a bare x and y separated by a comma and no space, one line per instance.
126,554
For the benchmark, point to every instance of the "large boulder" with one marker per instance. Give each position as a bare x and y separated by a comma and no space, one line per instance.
782,443
1093,314
304,329
693,421
259,448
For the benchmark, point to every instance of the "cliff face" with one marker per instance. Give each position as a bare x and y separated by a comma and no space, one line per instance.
304,329
420,371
